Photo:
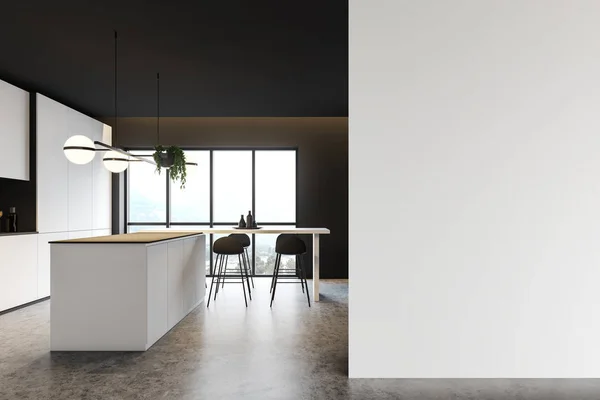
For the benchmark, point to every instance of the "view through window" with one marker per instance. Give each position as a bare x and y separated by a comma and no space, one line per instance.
224,185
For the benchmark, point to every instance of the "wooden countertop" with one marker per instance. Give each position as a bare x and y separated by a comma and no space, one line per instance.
269,230
132,238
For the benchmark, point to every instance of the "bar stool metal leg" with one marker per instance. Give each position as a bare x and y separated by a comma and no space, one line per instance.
275,275
248,263
274,269
212,281
245,275
242,275
222,273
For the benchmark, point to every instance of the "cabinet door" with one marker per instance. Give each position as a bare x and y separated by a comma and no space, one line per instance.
101,232
175,282
52,166
157,289
18,270
43,266
194,272
101,192
188,274
14,132
80,177
80,234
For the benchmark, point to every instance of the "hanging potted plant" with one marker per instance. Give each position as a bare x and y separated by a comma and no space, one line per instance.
173,158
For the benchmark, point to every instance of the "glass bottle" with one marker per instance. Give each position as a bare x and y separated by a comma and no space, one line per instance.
11,220
249,220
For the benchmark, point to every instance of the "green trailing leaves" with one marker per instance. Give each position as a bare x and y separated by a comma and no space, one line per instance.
177,170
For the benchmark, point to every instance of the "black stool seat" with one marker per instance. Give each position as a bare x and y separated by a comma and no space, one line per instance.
245,242
242,238
227,245
223,248
290,245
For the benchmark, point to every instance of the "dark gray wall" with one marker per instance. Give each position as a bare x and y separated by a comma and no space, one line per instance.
322,184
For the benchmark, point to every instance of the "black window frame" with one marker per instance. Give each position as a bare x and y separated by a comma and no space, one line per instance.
211,223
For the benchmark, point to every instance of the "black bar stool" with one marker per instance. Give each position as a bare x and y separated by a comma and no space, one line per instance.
289,245
223,248
245,242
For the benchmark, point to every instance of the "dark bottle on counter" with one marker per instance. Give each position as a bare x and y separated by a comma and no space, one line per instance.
242,223
249,220
11,220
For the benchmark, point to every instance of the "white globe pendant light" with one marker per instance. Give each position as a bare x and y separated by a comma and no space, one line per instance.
79,149
115,162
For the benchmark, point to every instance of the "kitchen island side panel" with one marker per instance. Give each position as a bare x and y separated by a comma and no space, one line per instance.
157,292
99,298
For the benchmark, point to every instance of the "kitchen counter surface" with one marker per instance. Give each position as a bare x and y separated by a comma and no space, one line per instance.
16,233
132,238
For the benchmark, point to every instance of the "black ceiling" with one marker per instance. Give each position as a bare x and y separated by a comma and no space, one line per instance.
215,58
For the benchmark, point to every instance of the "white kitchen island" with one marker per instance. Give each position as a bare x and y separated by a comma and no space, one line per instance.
123,292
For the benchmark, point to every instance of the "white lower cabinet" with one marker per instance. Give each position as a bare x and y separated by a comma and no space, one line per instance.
101,232
79,234
18,270
25,267
43,263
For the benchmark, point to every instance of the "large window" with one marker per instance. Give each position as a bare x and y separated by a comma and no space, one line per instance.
276,186
224,185
232,185
147,194
192,204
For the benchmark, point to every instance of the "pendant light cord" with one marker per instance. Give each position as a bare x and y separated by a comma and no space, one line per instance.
116,119
157,108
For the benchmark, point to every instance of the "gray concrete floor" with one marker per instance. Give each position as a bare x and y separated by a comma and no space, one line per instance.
230,352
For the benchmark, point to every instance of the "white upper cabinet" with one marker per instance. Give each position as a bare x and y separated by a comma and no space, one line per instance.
14,132
71,197
52,166
102,182
80,176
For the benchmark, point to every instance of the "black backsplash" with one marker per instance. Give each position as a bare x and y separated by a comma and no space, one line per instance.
22,194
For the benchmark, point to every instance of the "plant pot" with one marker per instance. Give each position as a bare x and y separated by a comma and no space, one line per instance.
166,159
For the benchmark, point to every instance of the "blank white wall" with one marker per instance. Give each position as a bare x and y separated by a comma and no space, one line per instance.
474,188
14,132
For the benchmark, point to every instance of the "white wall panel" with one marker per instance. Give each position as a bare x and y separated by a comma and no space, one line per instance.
474,189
